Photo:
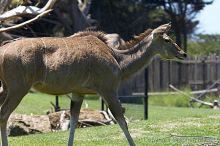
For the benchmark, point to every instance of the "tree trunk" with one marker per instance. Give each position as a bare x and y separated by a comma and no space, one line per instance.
184,38
177,32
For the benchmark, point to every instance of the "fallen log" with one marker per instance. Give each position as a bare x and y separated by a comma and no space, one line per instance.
27,124
57,121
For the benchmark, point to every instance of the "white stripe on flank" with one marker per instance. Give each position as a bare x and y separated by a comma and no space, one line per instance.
19,53
35,66
65,43
67,47
43,43
45,56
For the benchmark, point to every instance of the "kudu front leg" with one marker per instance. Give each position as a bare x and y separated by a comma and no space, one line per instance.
4,135
13,98
116,109
75,106
3,123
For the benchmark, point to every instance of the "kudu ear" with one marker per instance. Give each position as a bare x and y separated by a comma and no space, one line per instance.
162,29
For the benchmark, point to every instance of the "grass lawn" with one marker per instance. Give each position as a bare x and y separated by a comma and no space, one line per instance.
166,126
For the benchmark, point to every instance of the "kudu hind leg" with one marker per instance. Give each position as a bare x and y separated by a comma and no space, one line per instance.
116,109
74,116
11,101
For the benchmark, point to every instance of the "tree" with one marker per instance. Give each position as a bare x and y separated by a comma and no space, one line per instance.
67,17
126,17
182,14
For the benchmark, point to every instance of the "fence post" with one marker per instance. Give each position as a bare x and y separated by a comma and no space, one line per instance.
169,73
204,69
146,94
161,75
179,74
57,107
102,104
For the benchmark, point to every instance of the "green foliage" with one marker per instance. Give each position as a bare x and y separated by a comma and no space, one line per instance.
169,100
205,45
157,17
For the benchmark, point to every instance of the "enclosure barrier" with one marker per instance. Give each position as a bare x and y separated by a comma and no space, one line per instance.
196,73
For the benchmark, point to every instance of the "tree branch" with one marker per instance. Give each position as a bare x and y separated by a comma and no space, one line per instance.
192,98
26,22
26,10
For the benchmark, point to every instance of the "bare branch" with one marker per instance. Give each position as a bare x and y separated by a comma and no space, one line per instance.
26,22
26,10
85,6
192,98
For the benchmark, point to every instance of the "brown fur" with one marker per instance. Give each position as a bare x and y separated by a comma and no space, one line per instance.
99,34
111,40
102,36
42,60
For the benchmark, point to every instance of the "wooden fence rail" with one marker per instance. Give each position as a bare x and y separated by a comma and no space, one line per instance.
195,72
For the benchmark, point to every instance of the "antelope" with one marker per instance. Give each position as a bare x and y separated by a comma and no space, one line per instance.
87,62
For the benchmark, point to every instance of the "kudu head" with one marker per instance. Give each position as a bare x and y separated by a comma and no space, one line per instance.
165,46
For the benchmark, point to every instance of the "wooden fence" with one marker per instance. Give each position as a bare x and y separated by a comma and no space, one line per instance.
194,72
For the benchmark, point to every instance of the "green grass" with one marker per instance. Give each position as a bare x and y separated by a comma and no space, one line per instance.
38,103
163,121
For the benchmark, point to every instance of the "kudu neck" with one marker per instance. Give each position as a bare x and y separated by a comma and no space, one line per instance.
132,63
